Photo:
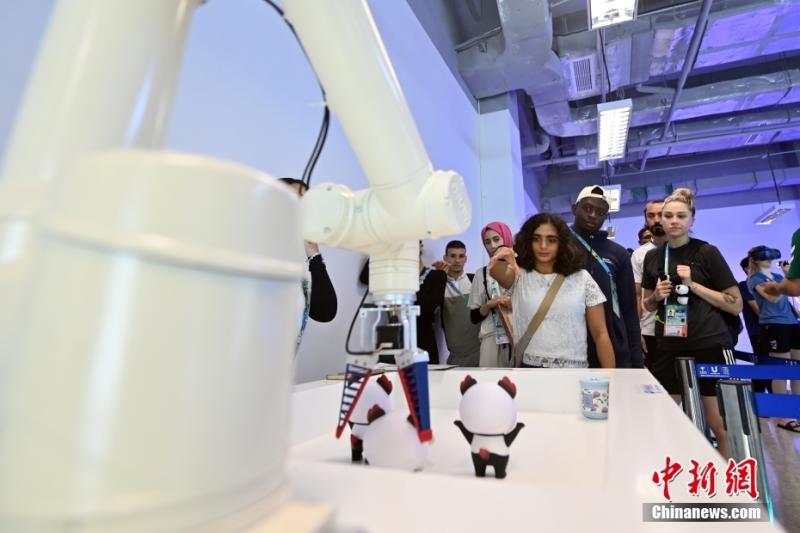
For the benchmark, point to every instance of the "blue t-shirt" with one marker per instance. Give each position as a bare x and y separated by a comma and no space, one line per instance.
779,312
750,318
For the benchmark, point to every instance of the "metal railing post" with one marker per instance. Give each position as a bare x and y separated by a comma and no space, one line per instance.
737,408
690,393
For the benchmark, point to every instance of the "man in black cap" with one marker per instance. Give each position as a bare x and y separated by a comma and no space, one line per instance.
610,266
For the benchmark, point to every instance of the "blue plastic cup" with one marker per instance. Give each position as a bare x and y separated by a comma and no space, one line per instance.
594,397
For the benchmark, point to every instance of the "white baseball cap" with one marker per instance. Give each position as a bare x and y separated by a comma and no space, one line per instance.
592,191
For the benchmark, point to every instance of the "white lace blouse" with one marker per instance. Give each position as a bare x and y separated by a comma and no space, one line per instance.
561,337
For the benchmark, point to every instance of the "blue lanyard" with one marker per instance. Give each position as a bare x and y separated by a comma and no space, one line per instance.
604,266
454,286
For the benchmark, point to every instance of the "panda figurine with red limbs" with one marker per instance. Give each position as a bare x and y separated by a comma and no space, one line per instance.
376,392
489,423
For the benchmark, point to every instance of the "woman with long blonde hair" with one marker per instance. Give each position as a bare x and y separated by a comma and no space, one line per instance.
689,285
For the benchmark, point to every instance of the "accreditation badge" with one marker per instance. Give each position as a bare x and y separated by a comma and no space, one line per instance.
675,320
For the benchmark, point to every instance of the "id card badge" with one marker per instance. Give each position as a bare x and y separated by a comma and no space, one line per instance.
614,297
501,337
675,321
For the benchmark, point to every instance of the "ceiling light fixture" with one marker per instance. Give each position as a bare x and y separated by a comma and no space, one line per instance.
604,13
613,119
777,210
773,213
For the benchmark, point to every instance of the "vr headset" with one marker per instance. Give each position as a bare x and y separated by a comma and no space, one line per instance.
762,253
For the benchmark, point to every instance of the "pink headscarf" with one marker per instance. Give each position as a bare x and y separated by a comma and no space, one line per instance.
500,228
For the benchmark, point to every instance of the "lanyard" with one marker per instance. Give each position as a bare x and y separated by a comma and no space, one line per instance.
453,286
666,267
604,266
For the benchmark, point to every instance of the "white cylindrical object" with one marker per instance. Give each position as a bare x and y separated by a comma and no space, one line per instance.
343,45
152,362
98,64
395,271
337,216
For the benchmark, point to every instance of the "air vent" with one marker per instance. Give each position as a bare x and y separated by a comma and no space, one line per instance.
751,139
582,74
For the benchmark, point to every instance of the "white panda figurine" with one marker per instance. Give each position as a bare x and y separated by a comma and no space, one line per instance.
489,422
391,441
376,392
682,291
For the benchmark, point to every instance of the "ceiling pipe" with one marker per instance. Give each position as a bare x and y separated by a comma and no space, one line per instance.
670,144
652,89
688,64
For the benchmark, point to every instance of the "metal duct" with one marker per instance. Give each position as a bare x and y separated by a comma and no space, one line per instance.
688,64
657,45
521,57
756,186
699,136
723,97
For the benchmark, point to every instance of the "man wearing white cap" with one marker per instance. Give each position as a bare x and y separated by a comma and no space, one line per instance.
610,266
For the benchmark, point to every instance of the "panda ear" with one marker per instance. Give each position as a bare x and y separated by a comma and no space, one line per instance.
468,382
508,386
385,384
374,413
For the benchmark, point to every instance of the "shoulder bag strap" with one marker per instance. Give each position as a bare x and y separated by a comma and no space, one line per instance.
536,321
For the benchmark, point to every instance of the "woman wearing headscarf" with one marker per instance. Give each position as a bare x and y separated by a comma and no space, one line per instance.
491,304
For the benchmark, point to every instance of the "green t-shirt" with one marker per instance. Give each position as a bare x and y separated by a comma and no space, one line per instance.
794,265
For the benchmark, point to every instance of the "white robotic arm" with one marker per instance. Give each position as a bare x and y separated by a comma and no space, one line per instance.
134,326
407,199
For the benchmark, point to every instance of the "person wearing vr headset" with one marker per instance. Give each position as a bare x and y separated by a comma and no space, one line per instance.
790,285
777,319
688,284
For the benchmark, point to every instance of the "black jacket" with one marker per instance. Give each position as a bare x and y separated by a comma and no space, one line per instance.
323,305
624,330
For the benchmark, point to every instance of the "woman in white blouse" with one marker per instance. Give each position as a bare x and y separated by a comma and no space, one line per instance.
544,248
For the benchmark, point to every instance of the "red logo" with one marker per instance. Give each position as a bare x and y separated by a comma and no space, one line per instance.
666,475
703,479
740,478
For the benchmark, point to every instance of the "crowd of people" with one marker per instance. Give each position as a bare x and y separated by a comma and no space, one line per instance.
555,295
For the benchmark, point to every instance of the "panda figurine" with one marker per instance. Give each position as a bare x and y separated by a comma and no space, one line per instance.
489,423
376,392
391,441
683,294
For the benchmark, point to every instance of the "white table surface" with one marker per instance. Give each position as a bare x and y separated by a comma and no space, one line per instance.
566,472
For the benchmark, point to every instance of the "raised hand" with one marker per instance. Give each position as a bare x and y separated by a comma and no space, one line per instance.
663,290
504,254
312,248
441,265
771,288
685,273
501,301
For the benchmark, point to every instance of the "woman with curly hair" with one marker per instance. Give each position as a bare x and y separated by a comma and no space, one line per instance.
544,253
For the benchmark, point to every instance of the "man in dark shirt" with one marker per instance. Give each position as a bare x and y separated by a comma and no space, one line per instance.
610,266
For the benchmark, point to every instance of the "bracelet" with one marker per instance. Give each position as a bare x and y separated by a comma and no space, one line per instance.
308,259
